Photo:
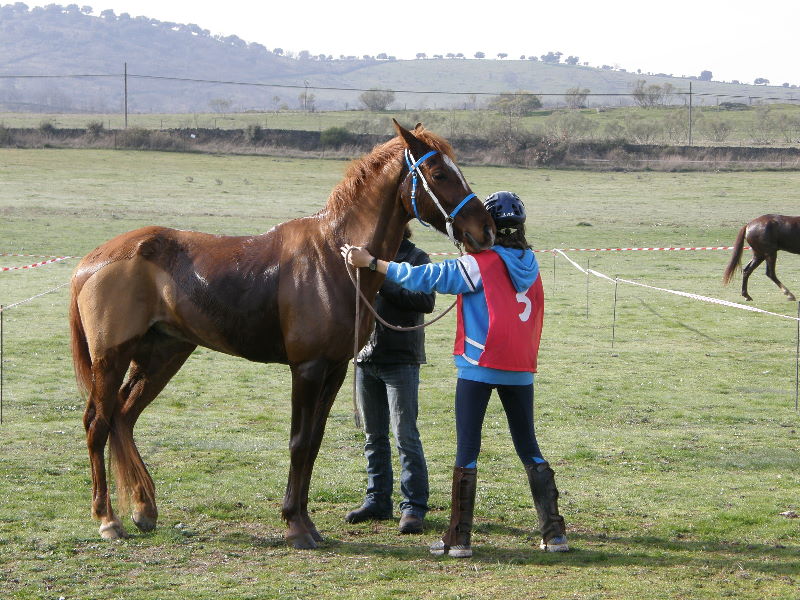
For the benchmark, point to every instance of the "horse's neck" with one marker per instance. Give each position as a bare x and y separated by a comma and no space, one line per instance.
378,220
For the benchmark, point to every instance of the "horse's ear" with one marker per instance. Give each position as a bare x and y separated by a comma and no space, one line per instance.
412,142
419,128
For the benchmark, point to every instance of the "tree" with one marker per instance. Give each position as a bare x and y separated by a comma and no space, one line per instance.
572,60
421,55
278,51
307,101
502,55
517,104
576,97
376,99
220,105
552,57
648,96
705,76
761,81
480,55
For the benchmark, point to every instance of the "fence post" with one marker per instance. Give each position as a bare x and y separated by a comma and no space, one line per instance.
690,113
1,364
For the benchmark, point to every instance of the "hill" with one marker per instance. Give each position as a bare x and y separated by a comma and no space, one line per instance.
64,58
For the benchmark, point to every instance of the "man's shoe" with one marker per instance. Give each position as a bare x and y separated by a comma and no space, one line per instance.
410,524
556,544
368,512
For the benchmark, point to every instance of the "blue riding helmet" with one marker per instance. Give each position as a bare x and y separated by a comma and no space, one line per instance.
506,209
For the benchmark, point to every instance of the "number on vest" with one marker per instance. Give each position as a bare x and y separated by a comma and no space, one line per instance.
526,312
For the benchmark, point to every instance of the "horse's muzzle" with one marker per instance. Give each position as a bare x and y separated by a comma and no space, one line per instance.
474,245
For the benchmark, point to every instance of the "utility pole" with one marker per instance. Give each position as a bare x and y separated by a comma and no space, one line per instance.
126,95
690,113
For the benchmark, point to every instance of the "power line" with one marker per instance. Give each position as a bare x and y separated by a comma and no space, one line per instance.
397,91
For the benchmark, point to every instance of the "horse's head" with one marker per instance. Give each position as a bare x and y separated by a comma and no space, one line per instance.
436,192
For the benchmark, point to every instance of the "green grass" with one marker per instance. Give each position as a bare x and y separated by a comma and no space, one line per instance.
675,449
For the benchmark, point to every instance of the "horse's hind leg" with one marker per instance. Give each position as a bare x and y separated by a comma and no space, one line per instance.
157,359
101,408
314,388
771,258
749,268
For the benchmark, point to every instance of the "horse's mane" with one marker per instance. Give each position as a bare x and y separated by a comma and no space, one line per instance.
364,169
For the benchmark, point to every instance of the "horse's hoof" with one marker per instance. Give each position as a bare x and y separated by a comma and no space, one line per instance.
113,531
143,522
303,541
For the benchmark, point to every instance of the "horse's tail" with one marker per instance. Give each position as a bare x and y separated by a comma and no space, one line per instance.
735,262
81,359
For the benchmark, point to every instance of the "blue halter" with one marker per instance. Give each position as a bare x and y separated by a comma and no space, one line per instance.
413,169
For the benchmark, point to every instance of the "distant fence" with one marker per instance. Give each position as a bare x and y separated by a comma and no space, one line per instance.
528,151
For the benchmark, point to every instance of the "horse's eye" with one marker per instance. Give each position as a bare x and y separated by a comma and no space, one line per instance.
439,176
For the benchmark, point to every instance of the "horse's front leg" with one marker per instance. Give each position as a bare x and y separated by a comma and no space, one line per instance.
314,388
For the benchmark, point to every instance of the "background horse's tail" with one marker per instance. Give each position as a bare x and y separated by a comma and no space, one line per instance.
81,360
736,258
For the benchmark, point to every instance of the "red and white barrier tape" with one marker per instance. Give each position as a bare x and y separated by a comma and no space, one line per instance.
677,293
609,249
36,255
39,264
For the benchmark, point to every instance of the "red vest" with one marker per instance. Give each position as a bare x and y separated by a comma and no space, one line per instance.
515,319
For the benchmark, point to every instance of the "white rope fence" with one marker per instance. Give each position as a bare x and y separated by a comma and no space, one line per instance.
676,292
617,280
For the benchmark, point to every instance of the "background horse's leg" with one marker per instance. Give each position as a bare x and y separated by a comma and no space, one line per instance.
749,268
314,387
158,357
771,258
101,407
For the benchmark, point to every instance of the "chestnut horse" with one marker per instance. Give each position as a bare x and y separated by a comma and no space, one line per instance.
143,301
766,235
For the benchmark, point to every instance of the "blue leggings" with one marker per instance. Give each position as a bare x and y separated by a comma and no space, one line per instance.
472,398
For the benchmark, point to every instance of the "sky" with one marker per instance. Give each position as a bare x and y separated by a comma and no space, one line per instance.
734,39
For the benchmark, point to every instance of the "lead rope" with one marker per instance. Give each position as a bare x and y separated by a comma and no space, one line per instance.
356,412
360,296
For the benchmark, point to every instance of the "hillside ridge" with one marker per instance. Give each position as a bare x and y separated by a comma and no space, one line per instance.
64,58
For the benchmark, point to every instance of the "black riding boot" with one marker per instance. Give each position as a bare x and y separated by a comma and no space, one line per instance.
456,540
545,497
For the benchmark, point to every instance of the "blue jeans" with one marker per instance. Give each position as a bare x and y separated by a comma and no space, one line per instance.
387,397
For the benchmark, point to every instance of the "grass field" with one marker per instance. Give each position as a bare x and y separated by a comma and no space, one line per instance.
675,449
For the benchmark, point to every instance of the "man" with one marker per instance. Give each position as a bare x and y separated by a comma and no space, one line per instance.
387,383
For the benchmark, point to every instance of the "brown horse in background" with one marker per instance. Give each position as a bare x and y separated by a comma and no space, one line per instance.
766,235
142,302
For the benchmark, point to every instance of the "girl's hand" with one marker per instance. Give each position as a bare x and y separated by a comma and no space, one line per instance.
356,256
